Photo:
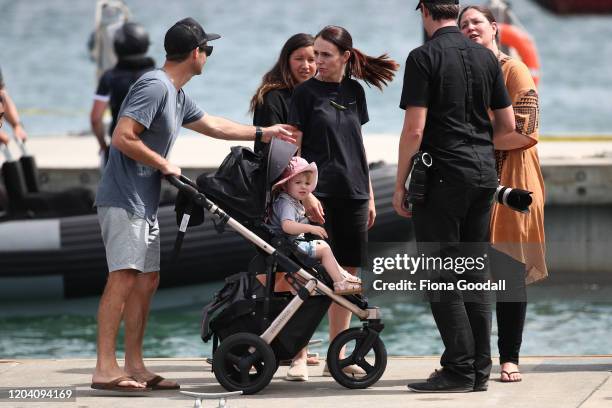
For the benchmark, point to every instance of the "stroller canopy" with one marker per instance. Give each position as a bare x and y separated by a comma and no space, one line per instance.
241,185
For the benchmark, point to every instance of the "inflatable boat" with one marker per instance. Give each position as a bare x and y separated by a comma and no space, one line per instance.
63,257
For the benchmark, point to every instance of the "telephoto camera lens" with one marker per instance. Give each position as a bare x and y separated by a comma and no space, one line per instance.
514,198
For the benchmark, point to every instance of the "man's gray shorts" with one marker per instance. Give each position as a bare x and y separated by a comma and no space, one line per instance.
130,241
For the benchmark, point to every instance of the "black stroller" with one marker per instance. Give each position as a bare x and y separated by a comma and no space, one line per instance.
253,327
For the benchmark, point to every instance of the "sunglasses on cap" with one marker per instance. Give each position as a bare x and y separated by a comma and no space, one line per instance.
207,49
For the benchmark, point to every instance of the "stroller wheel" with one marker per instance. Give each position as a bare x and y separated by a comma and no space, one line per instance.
244,362
364,349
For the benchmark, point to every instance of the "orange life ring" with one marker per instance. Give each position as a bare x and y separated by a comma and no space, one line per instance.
514,37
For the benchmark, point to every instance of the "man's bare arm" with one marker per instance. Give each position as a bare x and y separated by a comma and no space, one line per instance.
221,128
504,127
126,138
410,142
97,125
12,116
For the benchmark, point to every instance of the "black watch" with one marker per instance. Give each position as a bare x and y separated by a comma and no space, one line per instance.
258,134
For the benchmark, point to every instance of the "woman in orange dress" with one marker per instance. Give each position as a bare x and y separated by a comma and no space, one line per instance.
517,238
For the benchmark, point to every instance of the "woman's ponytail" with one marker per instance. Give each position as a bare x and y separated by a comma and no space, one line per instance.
375,71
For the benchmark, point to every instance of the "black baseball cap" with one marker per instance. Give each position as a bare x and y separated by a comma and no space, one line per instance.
436,2
186,35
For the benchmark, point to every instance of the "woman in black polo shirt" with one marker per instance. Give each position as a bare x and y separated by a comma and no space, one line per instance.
330,109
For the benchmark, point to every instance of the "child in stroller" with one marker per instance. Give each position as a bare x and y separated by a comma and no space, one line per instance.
257,326
288,216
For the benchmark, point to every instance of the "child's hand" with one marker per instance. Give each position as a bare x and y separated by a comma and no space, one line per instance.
318,231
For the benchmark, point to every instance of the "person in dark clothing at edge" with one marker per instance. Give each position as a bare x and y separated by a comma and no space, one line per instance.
295,64
12,115
131,43
8,110
330,109
450,83
4,138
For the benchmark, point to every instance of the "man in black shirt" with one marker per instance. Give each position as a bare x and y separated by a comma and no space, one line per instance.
450,83
131,43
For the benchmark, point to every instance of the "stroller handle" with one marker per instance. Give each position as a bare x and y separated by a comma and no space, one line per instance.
184,184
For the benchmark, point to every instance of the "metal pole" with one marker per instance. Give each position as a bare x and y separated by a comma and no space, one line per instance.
6,152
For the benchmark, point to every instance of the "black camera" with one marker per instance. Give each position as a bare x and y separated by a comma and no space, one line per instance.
416,185
514,198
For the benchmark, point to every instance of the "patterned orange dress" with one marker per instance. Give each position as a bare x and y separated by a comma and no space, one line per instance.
521,235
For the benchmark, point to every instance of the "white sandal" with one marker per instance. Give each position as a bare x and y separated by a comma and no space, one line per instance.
346,287
297,372
351,278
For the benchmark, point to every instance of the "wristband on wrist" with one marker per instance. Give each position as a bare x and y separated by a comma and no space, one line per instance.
258,134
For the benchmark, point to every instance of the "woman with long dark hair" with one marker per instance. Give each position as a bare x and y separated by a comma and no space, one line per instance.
295,64
517,238
330,109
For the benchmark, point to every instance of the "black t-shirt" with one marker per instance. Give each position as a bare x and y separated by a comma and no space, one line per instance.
330,116
116,82
458,81
273,110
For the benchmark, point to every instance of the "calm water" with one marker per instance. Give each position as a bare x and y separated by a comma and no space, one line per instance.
45,62
568,320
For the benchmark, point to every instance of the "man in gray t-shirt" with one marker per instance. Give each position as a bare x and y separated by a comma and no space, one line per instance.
161,109
150,119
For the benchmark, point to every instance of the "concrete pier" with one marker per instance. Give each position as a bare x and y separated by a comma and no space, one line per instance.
548,382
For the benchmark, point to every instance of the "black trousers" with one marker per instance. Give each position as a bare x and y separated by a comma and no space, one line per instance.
454,222
510,324
346,222
511,307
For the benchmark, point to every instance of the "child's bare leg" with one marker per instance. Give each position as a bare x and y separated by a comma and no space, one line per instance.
344,282
327,258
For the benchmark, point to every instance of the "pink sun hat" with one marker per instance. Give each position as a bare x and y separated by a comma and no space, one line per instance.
296,166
